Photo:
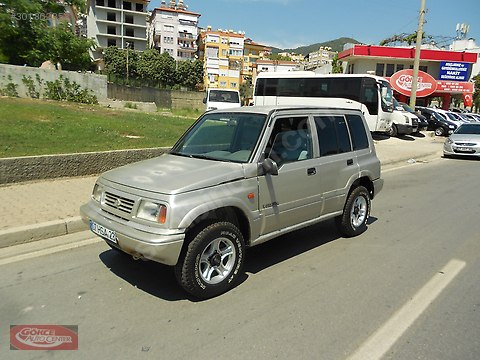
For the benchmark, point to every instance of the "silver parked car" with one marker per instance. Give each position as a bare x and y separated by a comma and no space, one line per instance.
237,178
464,141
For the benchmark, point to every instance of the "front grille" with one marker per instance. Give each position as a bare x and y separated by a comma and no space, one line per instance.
119,202
465,144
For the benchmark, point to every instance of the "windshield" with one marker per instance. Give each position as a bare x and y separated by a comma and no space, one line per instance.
407,108
222,136
468,129
386,95
224,96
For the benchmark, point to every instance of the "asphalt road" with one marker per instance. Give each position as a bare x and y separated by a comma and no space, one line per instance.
406,289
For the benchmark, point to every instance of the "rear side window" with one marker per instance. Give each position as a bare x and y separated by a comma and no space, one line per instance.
357,131
332,135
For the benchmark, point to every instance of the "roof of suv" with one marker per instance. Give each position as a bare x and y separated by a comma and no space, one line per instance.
269,108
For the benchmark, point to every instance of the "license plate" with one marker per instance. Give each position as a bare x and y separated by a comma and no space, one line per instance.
464,149
103,232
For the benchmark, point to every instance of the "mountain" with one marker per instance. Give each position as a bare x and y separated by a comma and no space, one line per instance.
336,45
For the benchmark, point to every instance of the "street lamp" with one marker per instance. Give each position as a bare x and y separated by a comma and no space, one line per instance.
127,44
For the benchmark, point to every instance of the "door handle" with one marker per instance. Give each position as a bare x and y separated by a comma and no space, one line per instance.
349,162
311,171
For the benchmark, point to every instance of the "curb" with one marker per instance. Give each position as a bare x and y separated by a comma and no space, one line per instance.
41,231
426,156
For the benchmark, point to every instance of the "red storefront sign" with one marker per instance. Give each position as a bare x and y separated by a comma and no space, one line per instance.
455,87
402,81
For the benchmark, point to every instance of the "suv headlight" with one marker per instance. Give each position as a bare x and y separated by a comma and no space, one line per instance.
151,211
449,141
97,193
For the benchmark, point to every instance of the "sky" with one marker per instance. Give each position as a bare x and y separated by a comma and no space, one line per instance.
293,23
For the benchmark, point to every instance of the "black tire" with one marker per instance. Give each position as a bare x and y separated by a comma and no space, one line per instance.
439,131
213,260
355,215
393,131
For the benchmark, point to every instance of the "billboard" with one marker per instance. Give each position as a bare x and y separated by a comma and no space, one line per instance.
402,80
454,71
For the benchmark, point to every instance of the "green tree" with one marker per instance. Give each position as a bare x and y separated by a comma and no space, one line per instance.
476,94
66,50
25,34
189,73
337,67
277,57
246,90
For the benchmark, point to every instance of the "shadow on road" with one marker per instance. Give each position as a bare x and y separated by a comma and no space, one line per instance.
159,280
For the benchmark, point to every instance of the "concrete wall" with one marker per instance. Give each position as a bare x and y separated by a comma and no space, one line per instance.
19,169
170,99
96,83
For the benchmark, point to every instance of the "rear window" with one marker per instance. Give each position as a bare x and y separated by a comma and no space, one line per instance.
224,96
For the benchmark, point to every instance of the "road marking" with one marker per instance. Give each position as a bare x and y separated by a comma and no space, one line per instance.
382,340
49,251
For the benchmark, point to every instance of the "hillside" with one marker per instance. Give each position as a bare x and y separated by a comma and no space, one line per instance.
336,45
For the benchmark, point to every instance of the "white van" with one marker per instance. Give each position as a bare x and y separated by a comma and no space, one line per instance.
222,99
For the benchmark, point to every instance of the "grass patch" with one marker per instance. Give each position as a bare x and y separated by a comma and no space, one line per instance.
38,127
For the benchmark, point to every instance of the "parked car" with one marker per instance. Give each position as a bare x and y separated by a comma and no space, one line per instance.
221,99
235,179
422,120
464,141
470,117
450,116
403,122
436,122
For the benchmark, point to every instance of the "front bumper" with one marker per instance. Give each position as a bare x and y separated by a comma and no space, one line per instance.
461,150
162,248
404,129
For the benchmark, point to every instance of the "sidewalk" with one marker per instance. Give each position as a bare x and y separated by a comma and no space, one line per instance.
44,209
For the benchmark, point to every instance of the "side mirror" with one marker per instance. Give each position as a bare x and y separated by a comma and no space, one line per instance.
269,167
204,100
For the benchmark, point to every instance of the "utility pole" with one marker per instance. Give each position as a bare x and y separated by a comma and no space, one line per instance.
127,45
416,63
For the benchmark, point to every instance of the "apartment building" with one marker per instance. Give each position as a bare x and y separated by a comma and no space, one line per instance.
321,58
222,55
120,23
252,53
174,30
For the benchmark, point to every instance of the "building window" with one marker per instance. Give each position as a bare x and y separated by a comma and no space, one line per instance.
233,85
129,32
139,7
129,19
379,69
399,67
168,28
127,5
111,42
224,52
423,68
112,30
100,3
223,84
112,3
111,16
390,70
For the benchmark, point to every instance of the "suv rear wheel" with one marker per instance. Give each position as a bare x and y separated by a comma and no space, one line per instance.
355,215
212,261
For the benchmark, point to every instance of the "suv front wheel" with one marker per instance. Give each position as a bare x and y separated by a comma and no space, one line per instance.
212,261
355,215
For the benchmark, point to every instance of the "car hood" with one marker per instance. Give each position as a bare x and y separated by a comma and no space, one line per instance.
465,138
171,174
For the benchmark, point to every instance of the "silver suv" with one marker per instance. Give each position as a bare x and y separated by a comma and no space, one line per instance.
235,179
